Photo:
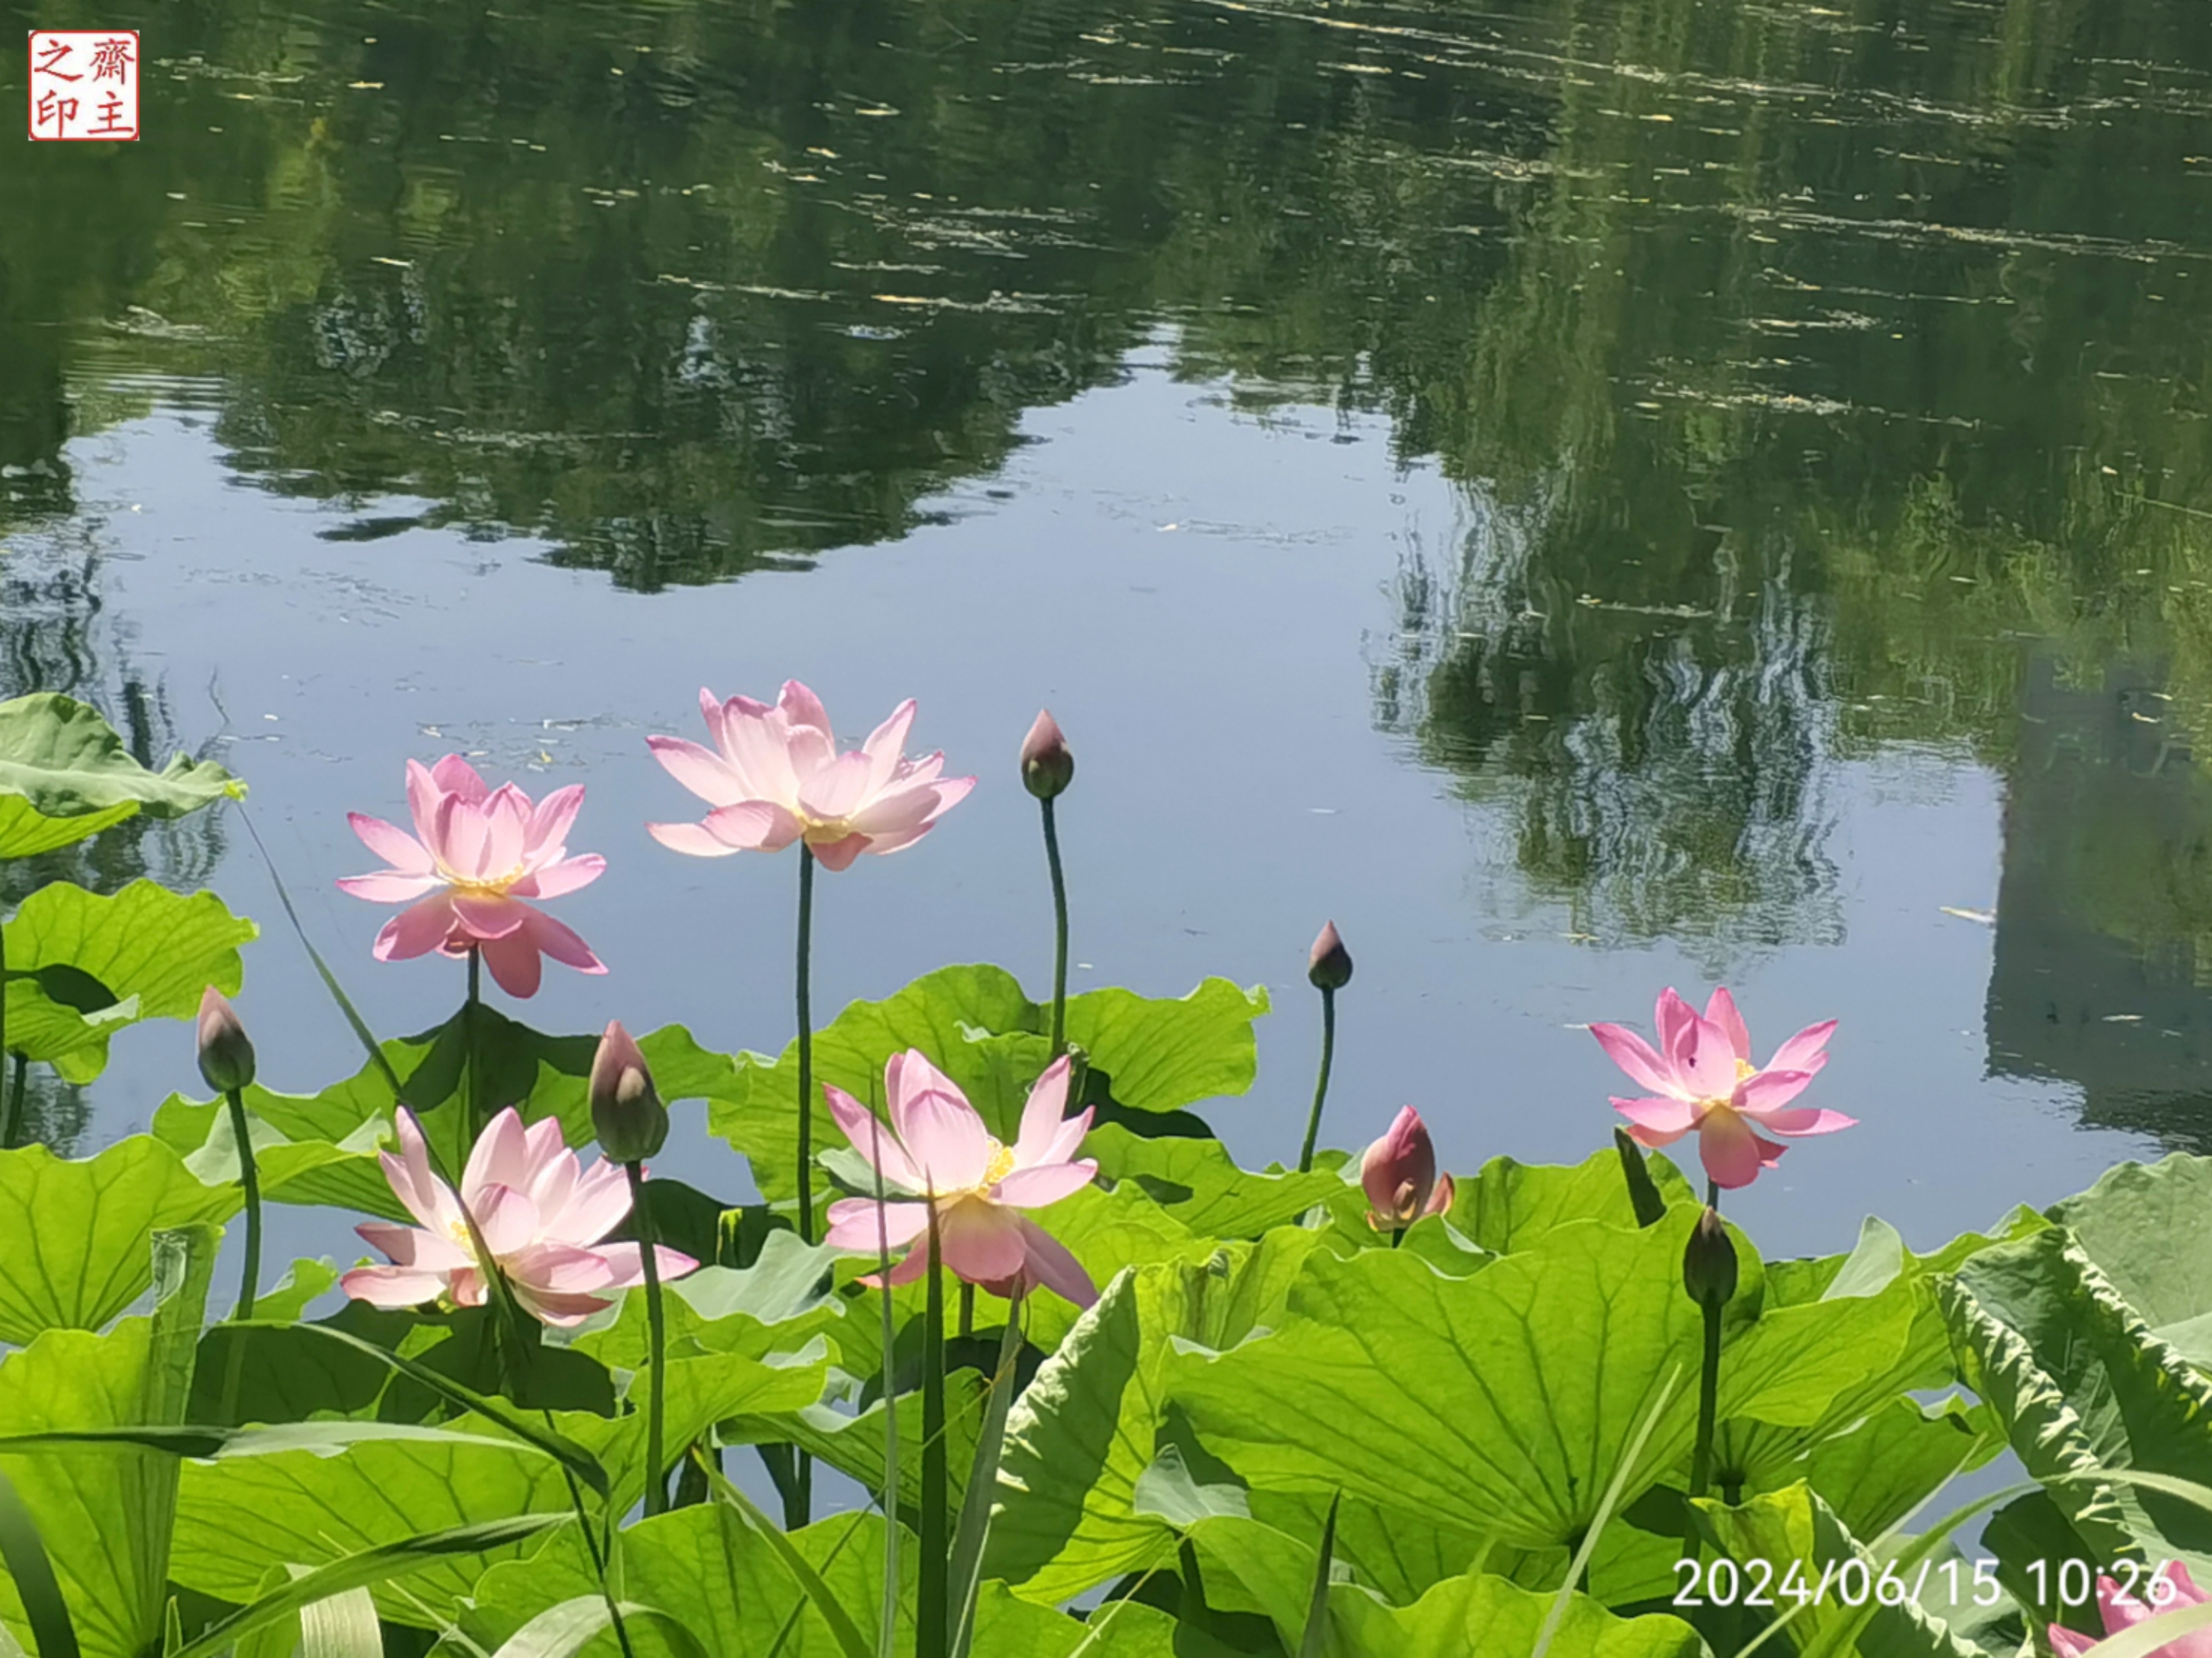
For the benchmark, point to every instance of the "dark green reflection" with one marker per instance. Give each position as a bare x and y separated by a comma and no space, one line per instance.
1815,377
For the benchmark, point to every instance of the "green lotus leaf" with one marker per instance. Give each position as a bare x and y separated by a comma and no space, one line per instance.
1799,1544
1199,1184
73,1234
153,950
976,1025
2079,1382
65,774
1502,1404
1463,1615
2143,1228
105,1513
1085,1431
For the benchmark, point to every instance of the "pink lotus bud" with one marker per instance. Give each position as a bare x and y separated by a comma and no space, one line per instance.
1047,767
626,1113
1709,1263
226,1055
1399,1172
1328,964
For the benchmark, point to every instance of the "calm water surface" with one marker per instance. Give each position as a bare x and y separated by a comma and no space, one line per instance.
1590,496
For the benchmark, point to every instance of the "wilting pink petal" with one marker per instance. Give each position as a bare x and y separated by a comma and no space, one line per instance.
1701,1078
1732,1153
774,775
538,1214
936,1144
981,1241
1046,1260
481,852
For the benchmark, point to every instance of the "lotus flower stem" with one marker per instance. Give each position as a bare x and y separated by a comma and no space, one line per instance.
1060,931
1713,1195
967,1310
932,1610
1709,1393
11,1119
249,1176
806,1044
1708,1276
478,1116
1321,1082
656,1327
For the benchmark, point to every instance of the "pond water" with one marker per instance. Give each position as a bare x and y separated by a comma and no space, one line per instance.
1590,495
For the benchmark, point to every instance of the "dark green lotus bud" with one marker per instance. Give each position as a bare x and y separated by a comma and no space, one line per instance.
1328,964
225,1056
1709,1264
627,1115
1046,765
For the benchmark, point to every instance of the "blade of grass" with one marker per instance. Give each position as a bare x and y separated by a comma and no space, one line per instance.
359,1570
344,1626
563,1631
842,1629
565,1451
360,1030
23,1551
1605,1508
1316,1639
974,1526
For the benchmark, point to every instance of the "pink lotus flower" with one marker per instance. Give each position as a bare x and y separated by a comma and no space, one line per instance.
475,854
1702,1077
542,1215
1399,1173
774,776
2121,1610
937,1144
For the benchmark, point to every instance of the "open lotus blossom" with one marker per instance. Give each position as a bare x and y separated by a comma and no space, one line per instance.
935,1143
1399,1173
774,775
1702,1078
541,1213
2123,1610
475,854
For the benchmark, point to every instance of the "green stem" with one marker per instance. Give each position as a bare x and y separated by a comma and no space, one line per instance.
933,1626
1321,1082
1397,1236
967,1309
599,1555
801,1505
806,1045
11,1120
1709,1394
982,1485
1713,1195
472,1045
249,1176
1059,933
656,1327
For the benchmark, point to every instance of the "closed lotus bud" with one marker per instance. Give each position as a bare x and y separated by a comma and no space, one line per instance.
1709,1263
1399,1174
1047,767
226,1055
627,1115
1329,965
